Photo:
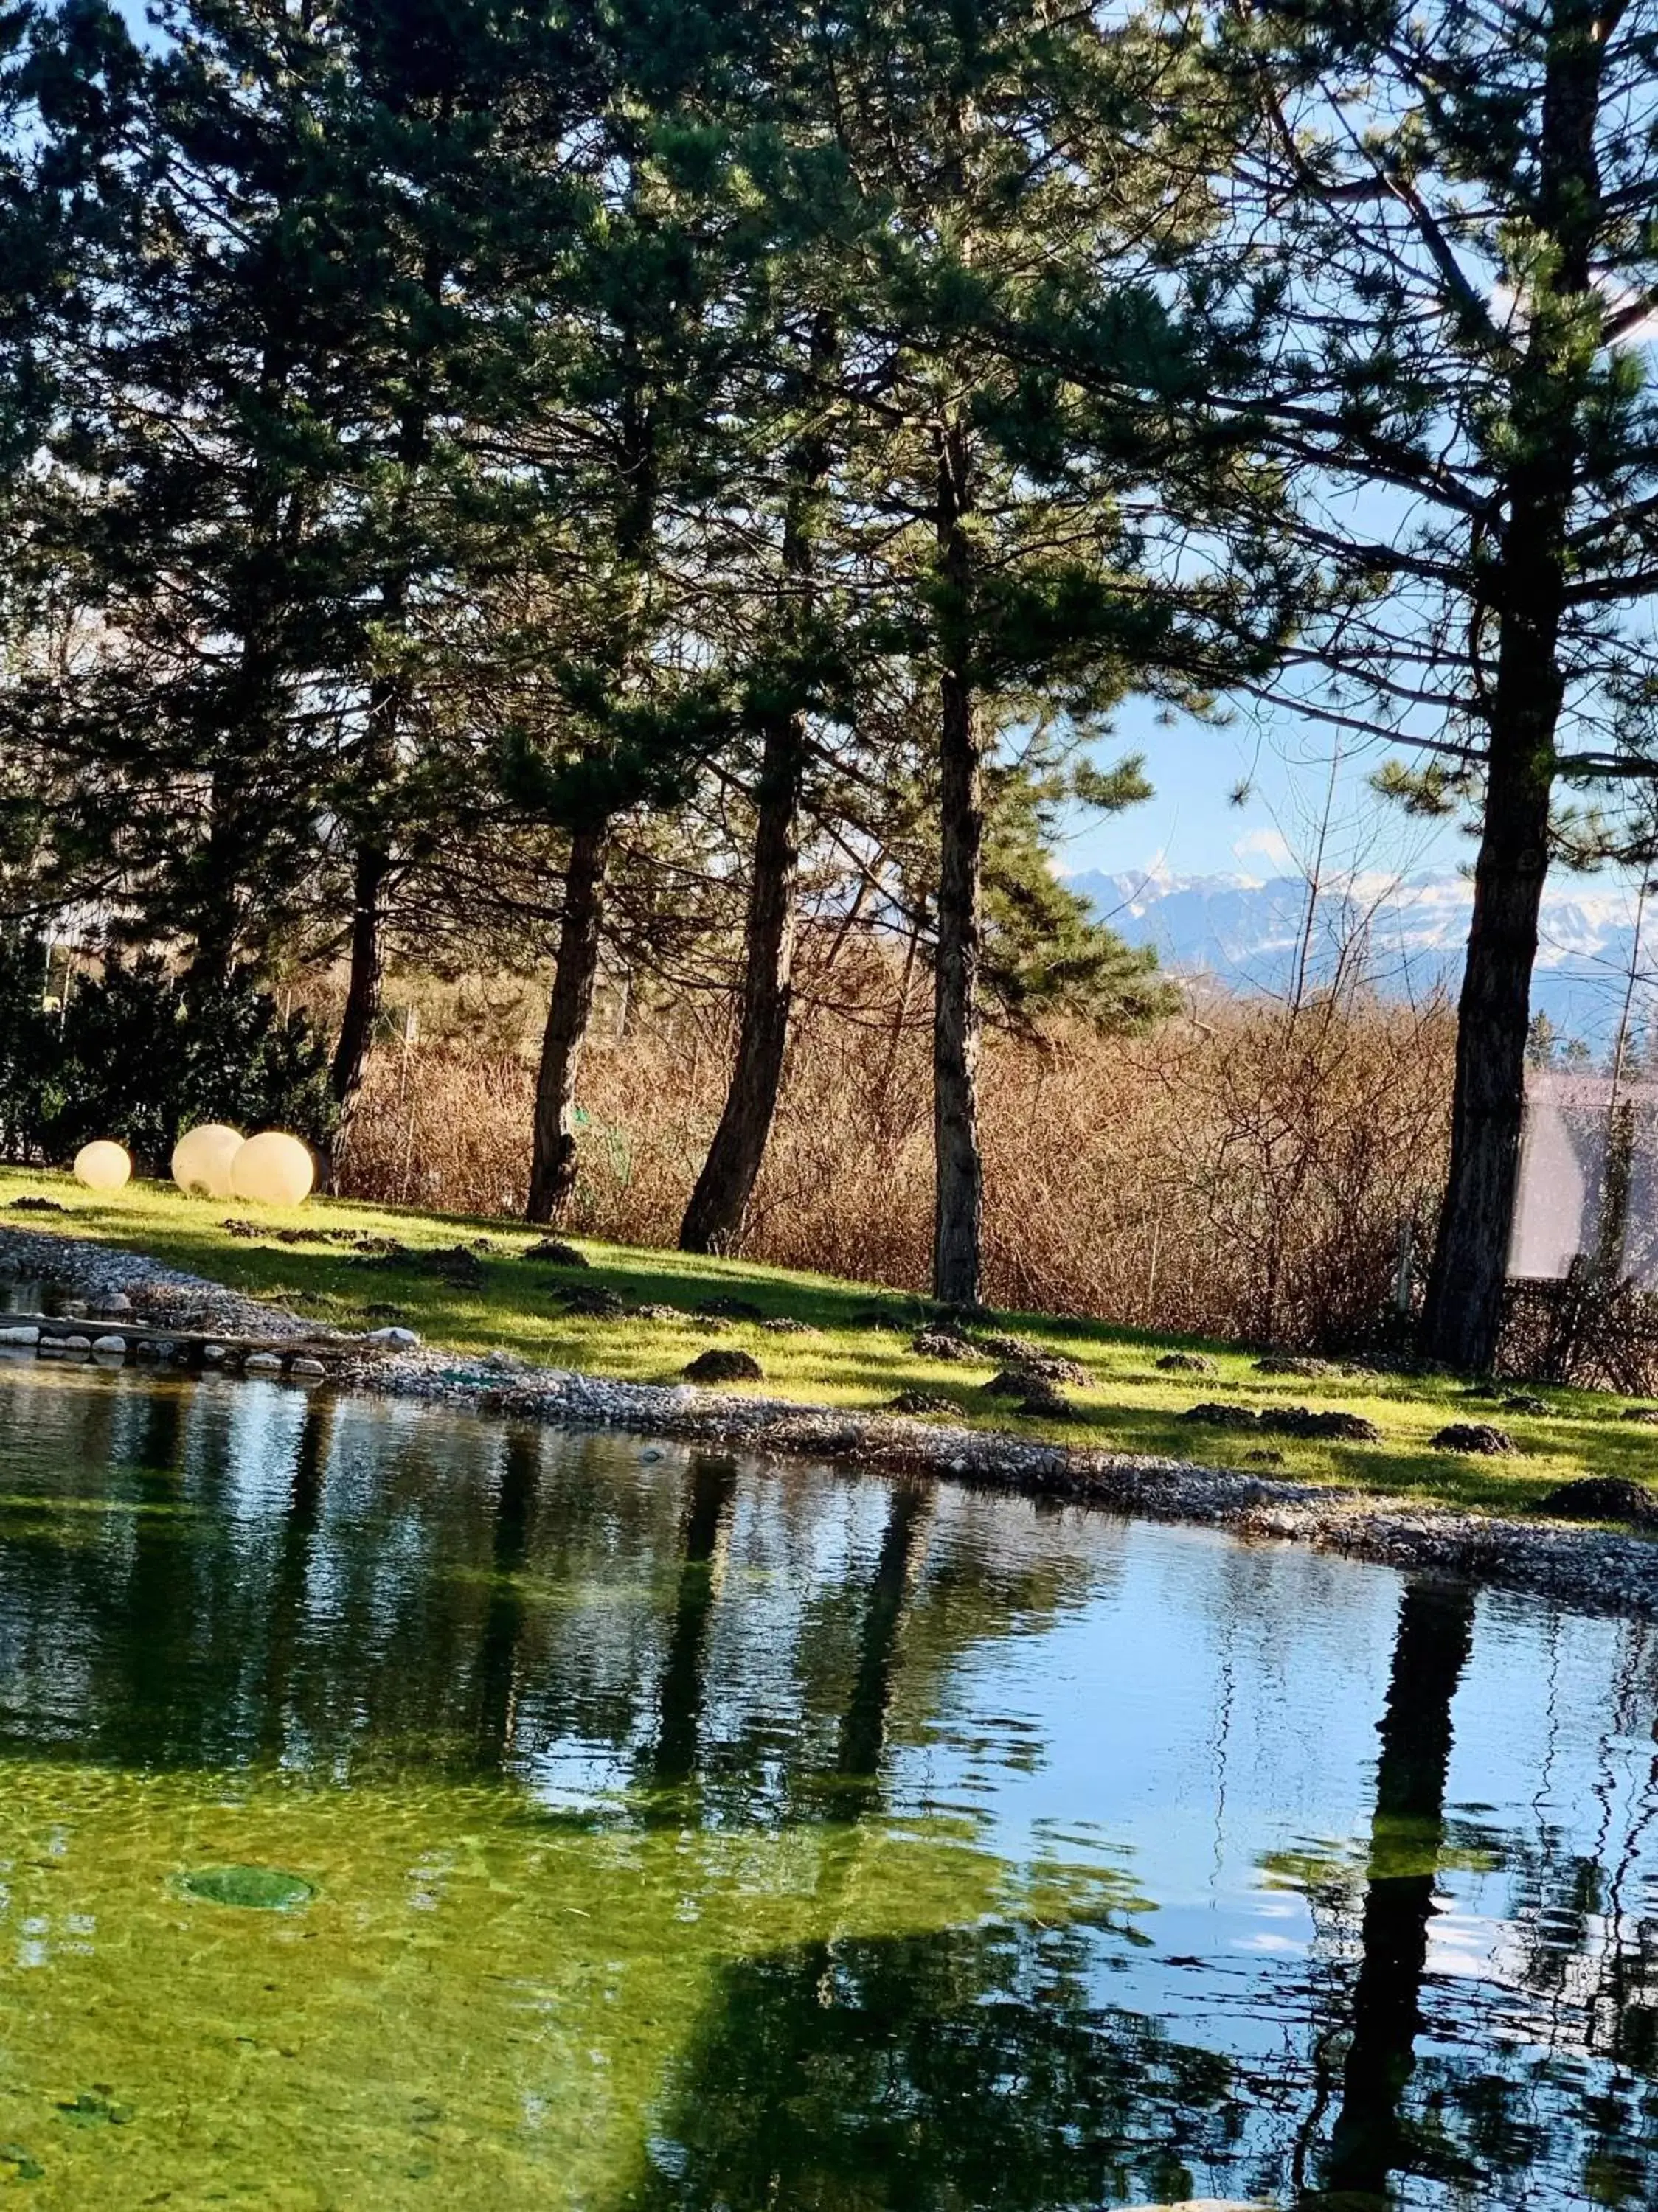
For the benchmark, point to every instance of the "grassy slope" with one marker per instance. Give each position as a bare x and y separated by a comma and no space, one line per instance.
1129,1407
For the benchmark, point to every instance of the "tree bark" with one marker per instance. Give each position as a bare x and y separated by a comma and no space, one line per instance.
553,1170
959,1199
1368,2143
718,1211
1462,1315
364,991
718,1208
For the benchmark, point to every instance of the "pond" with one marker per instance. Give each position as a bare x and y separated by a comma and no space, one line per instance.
399,1810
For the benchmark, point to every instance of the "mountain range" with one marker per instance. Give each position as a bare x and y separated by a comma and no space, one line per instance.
1247,933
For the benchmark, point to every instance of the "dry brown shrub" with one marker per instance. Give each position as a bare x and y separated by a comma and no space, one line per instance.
1241,1172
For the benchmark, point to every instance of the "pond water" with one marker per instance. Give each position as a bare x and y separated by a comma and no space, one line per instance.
398,1809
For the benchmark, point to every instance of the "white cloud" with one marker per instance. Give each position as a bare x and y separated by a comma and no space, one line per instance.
1271,845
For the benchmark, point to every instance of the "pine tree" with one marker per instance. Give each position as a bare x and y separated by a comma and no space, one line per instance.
1459,263
1010,497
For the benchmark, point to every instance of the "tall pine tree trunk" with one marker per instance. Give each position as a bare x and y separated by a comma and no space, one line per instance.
363,992
959,1200
371,870
223,892
372,861
719,1204
552,1168
714,1218
1463,1313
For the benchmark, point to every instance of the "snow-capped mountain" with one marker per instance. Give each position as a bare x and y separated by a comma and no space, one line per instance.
1409,933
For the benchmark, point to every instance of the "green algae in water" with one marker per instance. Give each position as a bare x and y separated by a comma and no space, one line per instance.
679,1834
256,1889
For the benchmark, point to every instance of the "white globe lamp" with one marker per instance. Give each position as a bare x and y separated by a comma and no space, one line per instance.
272,1169
103,1165
202,1158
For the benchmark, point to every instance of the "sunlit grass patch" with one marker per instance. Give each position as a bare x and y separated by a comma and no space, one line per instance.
490,1295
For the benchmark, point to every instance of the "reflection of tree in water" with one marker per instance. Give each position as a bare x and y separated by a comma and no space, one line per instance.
1370,2139
710,1492
965,2066
1465,2085
328,1586
499,1653
929,2073
293,1567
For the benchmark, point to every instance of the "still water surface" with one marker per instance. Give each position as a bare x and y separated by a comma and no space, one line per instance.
629,1827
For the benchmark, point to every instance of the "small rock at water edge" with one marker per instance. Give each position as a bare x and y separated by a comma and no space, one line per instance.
401,1339
109,1347
212,1355
306,1367
263,1363
21,1335
720,1365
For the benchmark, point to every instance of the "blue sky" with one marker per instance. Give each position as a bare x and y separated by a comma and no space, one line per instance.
1192,827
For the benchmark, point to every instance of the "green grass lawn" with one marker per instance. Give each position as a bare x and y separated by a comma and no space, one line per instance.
1129,1405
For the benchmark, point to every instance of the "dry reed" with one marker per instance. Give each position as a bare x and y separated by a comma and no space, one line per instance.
1242,1171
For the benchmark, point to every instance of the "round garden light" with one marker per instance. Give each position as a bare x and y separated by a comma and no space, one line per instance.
202,1159
103,1165
272,1169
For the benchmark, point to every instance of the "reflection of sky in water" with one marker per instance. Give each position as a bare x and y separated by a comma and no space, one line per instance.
1177,1734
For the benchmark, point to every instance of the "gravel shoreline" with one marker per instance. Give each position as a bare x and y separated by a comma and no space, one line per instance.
1587,1568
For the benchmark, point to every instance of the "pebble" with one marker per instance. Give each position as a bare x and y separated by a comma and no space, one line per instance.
263,1363
213,1355
109,1347
310,1368
401,1339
